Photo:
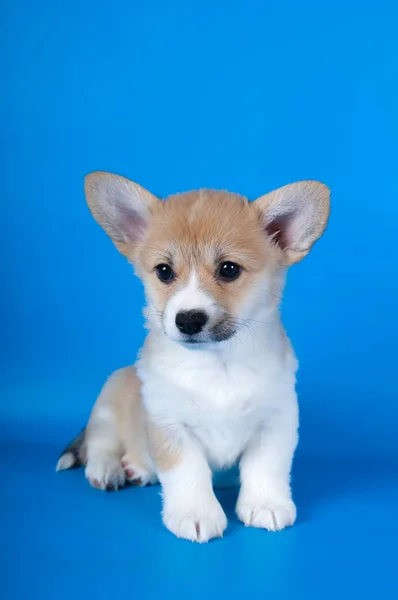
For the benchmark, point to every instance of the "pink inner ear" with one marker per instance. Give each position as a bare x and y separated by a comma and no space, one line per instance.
278,229
131,224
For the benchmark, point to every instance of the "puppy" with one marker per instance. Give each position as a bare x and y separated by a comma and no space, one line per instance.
215,381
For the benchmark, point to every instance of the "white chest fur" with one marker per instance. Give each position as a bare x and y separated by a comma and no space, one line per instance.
221,396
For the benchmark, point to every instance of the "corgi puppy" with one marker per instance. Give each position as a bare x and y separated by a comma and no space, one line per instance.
214,384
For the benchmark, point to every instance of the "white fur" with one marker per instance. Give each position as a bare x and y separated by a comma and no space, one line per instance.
66,461
104,470
190,508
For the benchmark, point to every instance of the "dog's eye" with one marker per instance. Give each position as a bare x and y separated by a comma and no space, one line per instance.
229,271
165,273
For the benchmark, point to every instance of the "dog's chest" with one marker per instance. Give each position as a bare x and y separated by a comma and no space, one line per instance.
220,403
213,387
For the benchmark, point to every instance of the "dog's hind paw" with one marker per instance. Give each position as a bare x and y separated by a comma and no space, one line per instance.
105,473
137,475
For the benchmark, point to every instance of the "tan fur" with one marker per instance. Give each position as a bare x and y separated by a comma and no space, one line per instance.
121,393
197,231
164,448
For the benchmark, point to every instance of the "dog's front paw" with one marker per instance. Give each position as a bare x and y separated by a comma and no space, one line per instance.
200,521
274,515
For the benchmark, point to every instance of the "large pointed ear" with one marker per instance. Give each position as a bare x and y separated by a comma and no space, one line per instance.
122,208
295,216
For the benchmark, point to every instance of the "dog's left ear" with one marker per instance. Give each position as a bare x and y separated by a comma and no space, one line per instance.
295,216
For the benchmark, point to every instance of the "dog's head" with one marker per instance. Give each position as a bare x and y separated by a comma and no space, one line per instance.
208,259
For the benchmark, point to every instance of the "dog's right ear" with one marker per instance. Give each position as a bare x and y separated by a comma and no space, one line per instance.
122,208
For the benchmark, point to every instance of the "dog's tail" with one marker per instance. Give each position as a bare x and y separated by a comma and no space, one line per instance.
72,456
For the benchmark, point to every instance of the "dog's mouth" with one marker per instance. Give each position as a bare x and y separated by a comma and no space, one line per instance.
220,332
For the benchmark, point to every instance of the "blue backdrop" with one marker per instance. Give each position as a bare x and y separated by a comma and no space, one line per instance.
246,96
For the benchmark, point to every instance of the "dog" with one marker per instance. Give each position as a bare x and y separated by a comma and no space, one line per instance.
214,385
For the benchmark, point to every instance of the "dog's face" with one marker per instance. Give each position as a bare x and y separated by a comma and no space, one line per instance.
209,260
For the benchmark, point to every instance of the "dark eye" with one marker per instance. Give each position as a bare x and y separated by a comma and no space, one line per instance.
165,273
229,271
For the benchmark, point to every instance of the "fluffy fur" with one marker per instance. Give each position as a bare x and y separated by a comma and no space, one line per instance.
224,393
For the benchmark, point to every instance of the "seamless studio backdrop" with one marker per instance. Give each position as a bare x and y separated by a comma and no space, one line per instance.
245,96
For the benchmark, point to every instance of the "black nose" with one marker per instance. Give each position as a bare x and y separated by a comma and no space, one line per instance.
191,321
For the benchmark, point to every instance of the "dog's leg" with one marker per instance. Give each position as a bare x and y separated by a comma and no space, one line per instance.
136,461
190,508
116,446
103,445
265,496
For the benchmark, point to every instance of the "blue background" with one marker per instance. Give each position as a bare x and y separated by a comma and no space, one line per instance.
246,96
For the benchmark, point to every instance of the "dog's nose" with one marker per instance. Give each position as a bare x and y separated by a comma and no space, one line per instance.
191,321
